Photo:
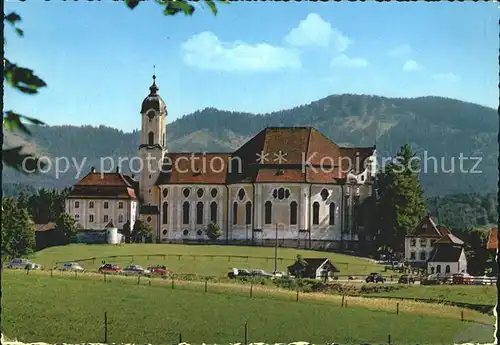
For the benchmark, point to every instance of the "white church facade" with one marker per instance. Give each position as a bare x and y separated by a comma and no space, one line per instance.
287,183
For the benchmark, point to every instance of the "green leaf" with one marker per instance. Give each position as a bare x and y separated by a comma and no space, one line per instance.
212,6
175,6
20,32
132,3
12,121
12,18
22,78
14,159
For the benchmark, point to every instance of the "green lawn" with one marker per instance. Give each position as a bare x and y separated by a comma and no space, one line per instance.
471,294
64,309
189,263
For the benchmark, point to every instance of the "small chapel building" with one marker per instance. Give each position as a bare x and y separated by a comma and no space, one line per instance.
290,183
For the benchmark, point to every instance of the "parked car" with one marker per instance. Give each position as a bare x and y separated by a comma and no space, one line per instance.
278,274
72,266
374,278
260,273
32,266
135,270
237,272
158,270
433,279
406,279
19,263
109,268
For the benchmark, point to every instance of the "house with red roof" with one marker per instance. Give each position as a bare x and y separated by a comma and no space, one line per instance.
435,248
291,180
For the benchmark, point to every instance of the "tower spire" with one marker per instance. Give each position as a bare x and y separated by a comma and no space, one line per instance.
153,88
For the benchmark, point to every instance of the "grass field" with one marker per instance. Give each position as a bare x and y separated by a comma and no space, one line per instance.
485,295
37,307
189,263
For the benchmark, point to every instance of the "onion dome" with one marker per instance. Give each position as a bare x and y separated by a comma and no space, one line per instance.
153,100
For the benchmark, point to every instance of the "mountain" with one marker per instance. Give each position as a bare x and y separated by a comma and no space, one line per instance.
435,127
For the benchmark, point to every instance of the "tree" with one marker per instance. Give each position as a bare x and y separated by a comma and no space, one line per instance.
126,231
18,230
213,231
141,230
299,267
66,226
400,201
25,80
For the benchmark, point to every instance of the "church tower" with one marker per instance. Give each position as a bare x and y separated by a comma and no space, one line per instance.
153,144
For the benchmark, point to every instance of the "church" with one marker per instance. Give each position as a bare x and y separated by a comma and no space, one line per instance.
287,184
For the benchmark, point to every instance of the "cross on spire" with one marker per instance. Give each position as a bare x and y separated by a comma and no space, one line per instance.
153,88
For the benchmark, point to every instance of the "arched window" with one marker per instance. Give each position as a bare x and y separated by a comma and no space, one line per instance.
316,213
293,213
268,212
438,269
77,204
185,212
422,255
281,193
447,269
332,213
432,270
165,212
213,212
248,213
199,213
91,204
235,213
151,139
241,194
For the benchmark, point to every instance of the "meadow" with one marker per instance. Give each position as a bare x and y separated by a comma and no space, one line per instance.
38,307
206,260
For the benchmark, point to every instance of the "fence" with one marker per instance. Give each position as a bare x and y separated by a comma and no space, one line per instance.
252,291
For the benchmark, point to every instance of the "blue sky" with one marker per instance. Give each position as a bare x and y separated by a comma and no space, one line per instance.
97,57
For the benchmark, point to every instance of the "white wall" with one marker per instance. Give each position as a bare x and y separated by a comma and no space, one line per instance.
82,213
424,246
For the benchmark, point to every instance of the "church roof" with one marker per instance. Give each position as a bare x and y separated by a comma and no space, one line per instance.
105,185
449,238
493,238
276,154
446,253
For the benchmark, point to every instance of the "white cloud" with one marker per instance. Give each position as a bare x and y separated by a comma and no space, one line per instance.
446,77
314,31
399,51
347,62
412,65
206,51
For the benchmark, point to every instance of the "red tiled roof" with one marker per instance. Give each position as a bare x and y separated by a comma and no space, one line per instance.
105,185
45,227
493,238
187,167
298,145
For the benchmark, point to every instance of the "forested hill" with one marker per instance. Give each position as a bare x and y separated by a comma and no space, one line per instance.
444,128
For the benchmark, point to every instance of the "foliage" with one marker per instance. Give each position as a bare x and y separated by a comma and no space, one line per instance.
141,230
25,80
126,231
400,202
299,267
45,205
479,259
213,231
465,211
66,225
18,230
